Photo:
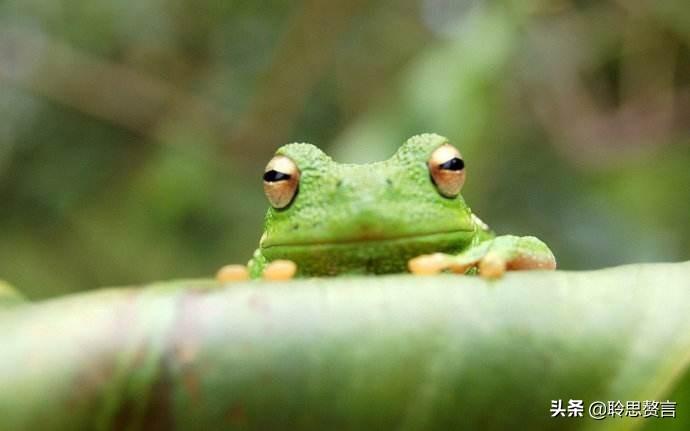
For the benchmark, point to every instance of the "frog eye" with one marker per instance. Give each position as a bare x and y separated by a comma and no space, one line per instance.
281,181
447,170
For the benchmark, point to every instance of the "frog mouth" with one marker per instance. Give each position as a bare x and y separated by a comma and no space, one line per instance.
442,236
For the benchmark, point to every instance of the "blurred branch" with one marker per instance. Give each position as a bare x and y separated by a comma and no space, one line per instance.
591,125
389,51
139,103
412,353
307,49
115,93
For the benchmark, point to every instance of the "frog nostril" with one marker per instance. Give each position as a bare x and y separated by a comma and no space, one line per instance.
339,184
389,182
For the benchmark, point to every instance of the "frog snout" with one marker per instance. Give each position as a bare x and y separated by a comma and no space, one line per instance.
373,222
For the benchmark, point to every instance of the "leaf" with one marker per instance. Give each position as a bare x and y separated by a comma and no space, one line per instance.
396,352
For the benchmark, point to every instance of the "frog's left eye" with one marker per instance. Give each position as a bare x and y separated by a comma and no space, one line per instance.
281,181
447,170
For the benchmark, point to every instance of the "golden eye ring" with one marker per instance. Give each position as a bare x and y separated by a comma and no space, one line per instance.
281,181
447,170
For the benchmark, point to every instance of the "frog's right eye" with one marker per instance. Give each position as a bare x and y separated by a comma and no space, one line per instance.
281,181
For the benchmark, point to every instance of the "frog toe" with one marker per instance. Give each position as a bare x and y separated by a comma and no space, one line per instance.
533,261
280,270
427,264
492,265
232,274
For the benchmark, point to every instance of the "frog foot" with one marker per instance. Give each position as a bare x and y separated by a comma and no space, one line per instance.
232,274
280,270
492,257
492,265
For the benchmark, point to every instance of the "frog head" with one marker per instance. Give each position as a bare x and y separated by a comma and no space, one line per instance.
334,218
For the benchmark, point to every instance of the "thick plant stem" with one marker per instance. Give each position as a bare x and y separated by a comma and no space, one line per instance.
397,352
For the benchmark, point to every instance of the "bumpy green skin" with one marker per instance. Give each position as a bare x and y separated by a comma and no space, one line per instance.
373,218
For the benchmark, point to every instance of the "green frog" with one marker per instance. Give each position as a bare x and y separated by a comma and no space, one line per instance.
405,214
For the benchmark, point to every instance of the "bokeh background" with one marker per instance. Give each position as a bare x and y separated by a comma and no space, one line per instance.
133,135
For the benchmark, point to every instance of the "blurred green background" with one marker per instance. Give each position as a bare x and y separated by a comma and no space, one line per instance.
133,136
